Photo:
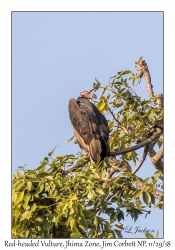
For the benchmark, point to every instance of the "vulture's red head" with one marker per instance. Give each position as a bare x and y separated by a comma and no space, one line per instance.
87,94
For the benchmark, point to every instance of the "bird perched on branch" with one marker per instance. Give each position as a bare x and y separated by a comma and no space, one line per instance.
90,126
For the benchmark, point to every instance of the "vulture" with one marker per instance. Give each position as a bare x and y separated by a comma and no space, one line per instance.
90,126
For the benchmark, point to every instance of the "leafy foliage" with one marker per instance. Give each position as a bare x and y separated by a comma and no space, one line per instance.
150,236
65,197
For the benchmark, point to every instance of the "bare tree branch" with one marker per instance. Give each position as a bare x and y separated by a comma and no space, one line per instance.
159,100
140,145
118,166
144,71
151,152
159,195
156,158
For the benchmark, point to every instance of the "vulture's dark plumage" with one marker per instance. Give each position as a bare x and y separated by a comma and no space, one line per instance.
90,126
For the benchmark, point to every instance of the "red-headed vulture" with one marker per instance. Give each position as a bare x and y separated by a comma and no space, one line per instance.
90,126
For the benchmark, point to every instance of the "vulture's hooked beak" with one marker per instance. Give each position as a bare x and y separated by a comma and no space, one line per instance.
94,96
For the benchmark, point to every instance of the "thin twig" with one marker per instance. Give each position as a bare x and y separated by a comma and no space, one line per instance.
73,169
142,160
117,120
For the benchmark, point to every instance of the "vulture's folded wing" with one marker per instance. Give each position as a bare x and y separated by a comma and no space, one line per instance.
80,121
90,128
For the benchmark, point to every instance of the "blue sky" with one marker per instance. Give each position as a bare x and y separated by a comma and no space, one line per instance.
55,55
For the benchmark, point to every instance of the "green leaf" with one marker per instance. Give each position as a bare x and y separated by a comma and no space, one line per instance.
96,85
39,219
119,104
87,214
119,225
46,225
120,215
91,195
33,208
113,217
72,222
26,215
70,204
100,191
21,175
71,156
126,72
118,77
151,114
82,222
146,198
75,234
146,181
135,213
19,185
52,164
52,217
99,105
29,185
121,90
47,235
26,200
43,164
131,77
39,188
68,140
14,197
118,83
41,233
148,235
111,149
159,142
74,197
140,58
152,198
20,197
50,178
34,179
133,80
103,107
27,233
110,210
103,173
119,234
51,153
